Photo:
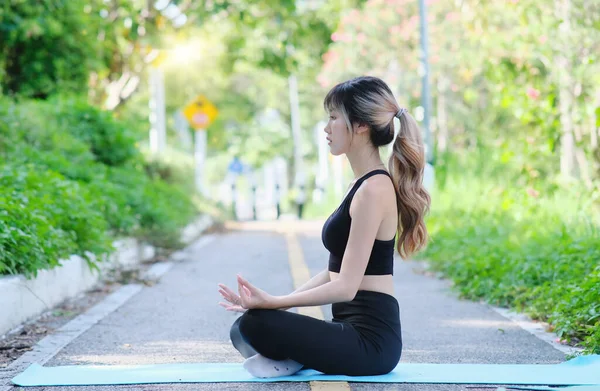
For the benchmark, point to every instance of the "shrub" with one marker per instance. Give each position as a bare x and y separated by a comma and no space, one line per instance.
110,141
45,217
72,180
517,248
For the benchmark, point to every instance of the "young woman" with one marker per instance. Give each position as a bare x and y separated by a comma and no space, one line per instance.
364,336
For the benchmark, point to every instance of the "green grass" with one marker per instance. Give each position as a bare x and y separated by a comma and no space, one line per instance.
537,253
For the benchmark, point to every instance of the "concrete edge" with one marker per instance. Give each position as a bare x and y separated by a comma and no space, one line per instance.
23,300
537,329
49,346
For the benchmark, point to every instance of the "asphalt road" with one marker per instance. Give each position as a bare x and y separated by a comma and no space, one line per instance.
178,319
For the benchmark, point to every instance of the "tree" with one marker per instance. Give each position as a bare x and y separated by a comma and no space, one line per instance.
500,85
46,46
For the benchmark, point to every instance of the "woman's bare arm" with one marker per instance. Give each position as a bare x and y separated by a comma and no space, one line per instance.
318,280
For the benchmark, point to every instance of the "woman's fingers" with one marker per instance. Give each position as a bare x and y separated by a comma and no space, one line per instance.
226,296
230,307
245,295
249,288
229,295
234,300
227,306
244,282
241,291
227,290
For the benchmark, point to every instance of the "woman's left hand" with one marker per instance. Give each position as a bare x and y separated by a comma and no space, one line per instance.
253,297
234,301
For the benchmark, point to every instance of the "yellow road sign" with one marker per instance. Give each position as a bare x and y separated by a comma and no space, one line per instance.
200,112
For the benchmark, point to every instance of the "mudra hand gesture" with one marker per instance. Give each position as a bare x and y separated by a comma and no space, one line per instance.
248,297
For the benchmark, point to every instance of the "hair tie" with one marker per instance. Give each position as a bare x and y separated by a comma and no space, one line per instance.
400,112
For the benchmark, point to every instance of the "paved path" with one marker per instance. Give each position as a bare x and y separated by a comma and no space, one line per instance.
178,319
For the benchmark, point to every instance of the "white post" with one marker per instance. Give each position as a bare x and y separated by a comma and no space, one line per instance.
161,112
269,183
199,158
429,177
153,134
281,175
296,132
183,130
158,134
426,97
323,166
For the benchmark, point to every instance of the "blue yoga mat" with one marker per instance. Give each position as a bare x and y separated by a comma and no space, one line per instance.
568,388
583,370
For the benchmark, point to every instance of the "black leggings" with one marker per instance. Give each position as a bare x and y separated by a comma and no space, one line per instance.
363,338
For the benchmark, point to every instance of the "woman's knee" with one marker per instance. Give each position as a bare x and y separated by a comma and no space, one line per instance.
239,341
234,331
254,323
260,330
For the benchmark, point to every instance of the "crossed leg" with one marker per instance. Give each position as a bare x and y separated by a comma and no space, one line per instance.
328,347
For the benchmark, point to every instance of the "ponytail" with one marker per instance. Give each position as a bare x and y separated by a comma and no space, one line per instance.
407,164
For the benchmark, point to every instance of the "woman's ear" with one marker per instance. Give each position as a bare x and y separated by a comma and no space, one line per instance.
360,127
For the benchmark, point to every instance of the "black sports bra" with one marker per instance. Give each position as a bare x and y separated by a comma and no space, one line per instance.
337,229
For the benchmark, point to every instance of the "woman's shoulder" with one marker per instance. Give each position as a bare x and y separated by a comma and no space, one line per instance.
378,185
376,191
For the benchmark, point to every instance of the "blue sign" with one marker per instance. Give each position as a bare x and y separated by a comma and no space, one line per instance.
236,166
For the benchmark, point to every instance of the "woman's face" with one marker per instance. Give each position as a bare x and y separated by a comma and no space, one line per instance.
338,136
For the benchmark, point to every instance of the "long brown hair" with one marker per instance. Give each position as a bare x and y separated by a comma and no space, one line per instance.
369,100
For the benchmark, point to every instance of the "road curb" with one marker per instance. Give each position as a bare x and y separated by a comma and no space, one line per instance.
23,300
537,329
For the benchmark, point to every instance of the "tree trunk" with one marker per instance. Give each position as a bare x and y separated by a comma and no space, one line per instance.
594,133
582,162
442,116
583,167
567,142
594,129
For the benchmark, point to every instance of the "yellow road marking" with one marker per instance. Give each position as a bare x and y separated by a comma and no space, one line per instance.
301,274
329,386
